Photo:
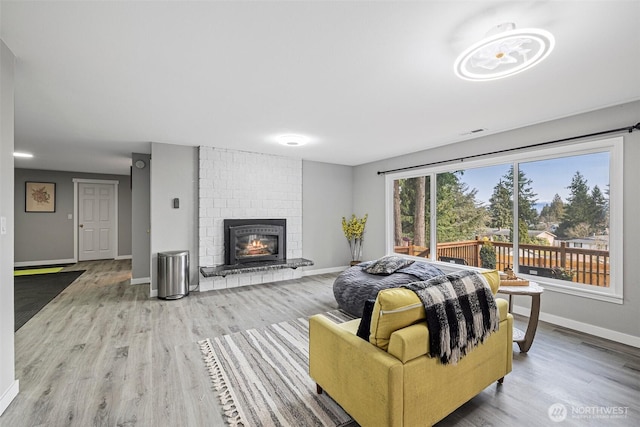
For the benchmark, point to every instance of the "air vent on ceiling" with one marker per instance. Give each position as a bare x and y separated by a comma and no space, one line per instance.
474,131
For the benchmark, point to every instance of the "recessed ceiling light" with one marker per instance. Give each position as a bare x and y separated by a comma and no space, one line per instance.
292,140
24,155
504,52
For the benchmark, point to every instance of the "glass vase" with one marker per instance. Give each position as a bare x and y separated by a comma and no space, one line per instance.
356,250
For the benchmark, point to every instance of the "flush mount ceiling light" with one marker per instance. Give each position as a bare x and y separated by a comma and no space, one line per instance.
23,155
292,140
504,52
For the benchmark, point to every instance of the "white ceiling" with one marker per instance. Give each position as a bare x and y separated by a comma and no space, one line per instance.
96,81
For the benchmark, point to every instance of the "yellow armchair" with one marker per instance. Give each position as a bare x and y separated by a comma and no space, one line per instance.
402,386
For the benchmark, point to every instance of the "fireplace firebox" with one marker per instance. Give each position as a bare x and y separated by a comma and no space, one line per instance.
255,241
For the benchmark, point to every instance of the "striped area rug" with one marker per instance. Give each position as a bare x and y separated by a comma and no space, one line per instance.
262,376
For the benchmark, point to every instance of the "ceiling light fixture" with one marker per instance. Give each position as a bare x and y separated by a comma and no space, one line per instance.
504,52
23,155
292,140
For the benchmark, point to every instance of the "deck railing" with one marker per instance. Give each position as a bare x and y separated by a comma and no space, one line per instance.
586,266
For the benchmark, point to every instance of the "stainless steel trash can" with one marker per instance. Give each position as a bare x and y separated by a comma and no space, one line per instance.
173,274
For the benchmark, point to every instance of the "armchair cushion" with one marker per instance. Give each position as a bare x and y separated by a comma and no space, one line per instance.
493,277
394,309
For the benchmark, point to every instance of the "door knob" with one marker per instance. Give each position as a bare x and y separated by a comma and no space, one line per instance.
81,225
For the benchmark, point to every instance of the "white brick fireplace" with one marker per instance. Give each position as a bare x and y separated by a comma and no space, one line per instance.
236,185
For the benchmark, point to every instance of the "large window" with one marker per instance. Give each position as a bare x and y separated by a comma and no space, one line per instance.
563,205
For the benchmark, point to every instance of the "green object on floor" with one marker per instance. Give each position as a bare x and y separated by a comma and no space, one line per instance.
31,271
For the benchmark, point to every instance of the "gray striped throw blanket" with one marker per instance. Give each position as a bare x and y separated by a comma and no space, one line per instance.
461,313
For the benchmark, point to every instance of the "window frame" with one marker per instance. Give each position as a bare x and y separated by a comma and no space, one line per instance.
614,146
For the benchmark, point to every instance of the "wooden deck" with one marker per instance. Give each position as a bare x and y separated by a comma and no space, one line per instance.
588,266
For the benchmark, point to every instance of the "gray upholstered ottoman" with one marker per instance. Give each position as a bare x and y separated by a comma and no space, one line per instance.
354,285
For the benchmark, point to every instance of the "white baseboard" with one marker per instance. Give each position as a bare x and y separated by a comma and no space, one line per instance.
153,293
119,257
206,284
47,262
140,280
582,327
9,395
324,270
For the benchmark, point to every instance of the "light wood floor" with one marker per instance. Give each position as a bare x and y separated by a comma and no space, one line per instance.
104,354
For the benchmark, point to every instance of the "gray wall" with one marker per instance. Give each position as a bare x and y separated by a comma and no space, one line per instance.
49,236
8,383
174,173
140,219
327,196
369,197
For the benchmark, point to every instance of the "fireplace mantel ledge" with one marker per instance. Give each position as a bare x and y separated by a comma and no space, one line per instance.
226,270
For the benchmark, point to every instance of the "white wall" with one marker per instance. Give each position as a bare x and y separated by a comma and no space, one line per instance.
327,196
615,321
239,184
174,173
8,382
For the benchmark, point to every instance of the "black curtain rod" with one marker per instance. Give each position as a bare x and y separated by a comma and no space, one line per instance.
507,150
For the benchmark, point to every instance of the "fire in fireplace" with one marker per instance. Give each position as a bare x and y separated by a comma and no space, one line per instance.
255,240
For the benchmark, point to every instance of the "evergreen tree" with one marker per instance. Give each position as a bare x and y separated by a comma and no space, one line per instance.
526,196
599,211
500,206
578,209
523,233
556,209
460,215
553,212
407,205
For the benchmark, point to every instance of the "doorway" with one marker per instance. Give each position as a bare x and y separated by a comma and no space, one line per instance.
96,219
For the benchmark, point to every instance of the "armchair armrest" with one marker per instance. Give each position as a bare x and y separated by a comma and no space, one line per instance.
503,308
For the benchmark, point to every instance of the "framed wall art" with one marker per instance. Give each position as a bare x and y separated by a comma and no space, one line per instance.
40,197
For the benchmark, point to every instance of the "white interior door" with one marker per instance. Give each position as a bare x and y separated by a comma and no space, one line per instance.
96,221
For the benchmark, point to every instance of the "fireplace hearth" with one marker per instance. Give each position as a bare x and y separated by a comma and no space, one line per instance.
255,241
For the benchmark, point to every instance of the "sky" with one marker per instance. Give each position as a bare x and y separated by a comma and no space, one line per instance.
549,177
